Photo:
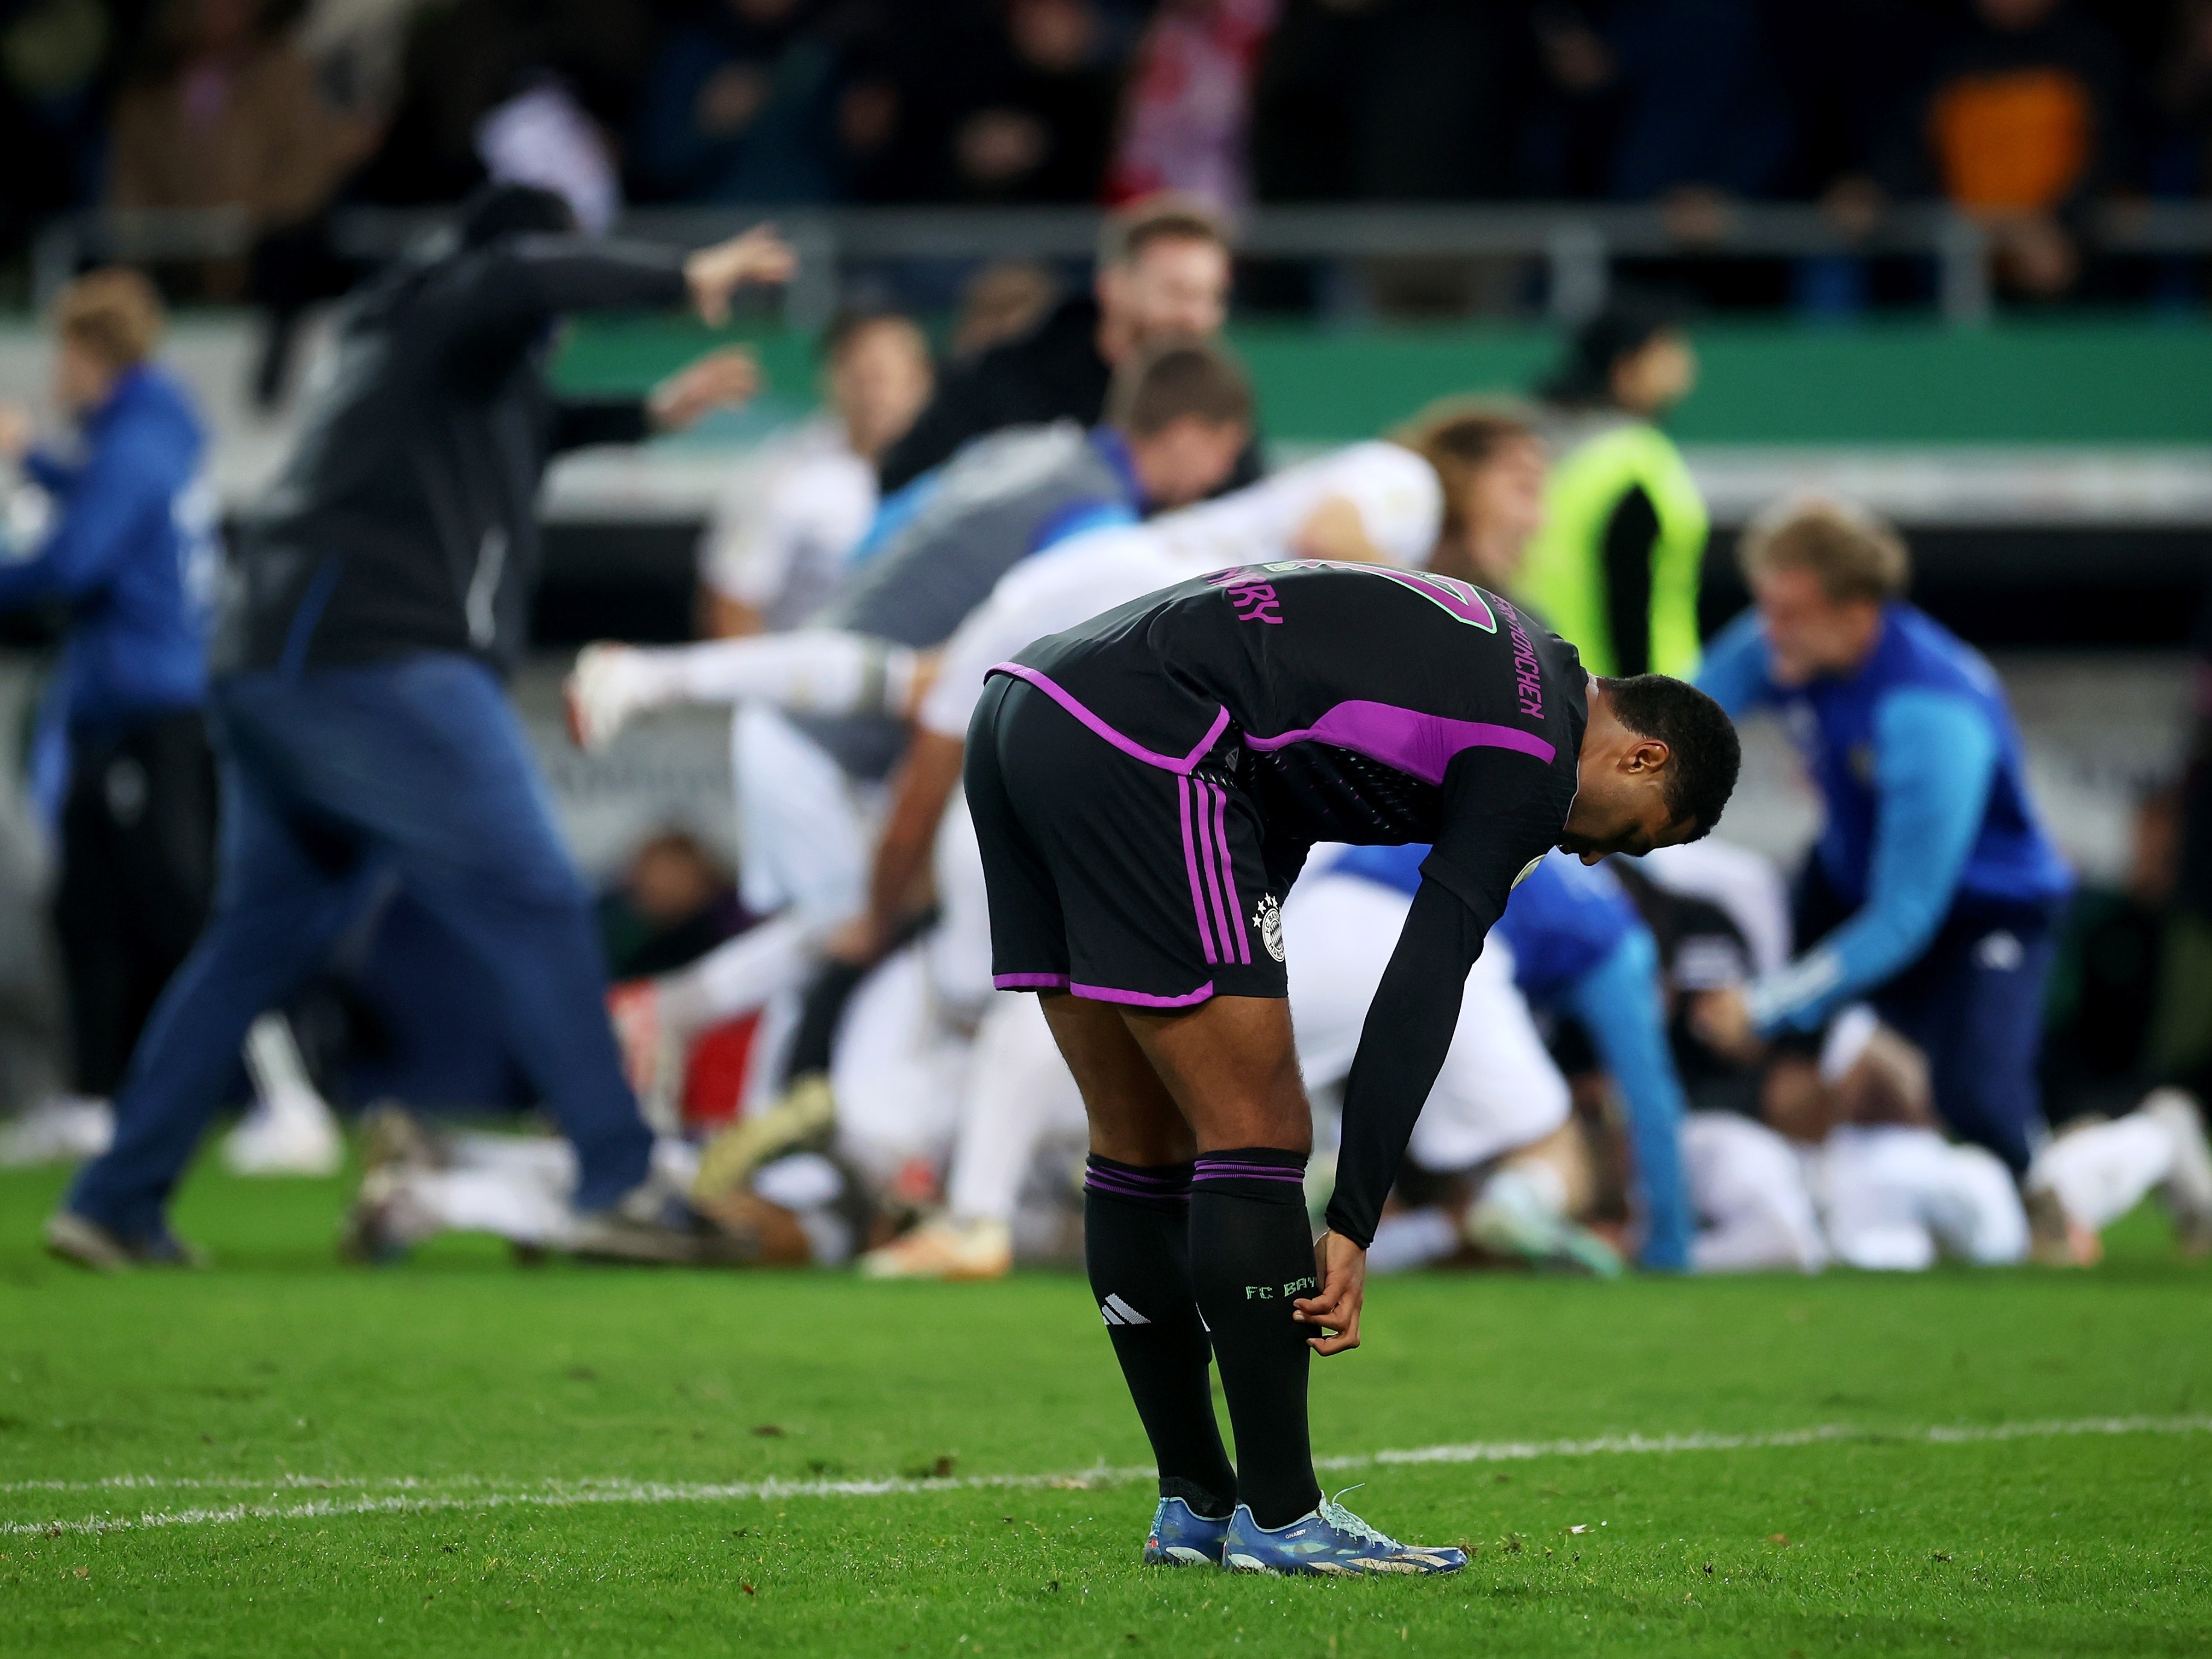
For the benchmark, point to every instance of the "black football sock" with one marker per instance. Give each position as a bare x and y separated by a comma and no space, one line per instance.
1136,1245
1251,1256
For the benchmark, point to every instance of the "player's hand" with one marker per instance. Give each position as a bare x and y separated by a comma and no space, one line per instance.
1721,1020
717,380
760,255
861,941
17,430
1341,1266
927,667
1336,529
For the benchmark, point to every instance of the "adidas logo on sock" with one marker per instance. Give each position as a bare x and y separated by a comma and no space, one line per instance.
1114,1311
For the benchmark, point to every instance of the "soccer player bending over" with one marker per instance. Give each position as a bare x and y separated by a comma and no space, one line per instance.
1145,789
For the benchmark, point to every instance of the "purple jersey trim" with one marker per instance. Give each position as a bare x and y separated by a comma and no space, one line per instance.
1209,1170
1421,746
1460,600
1128,746
1142,999
1030,982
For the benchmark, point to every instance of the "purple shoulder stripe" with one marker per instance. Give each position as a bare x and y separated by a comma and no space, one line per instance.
1420,744
1128,746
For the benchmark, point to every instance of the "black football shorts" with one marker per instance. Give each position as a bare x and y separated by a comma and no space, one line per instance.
1112,877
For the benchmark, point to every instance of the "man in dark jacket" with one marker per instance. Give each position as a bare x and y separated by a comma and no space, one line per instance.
1163,272
377,597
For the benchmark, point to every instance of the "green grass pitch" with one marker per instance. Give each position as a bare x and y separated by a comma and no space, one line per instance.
463,1457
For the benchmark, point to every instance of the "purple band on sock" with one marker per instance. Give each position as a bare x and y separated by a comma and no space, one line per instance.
1245,1168
1162,1183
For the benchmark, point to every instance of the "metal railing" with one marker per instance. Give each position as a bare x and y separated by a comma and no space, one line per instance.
1575,243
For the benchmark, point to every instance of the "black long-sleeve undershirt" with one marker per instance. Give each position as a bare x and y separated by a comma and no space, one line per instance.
578,422
1401,1049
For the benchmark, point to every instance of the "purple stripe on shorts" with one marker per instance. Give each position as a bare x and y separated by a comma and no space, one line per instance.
1209,838
1128,745
1229,875
1030,982
1142,999
1190,864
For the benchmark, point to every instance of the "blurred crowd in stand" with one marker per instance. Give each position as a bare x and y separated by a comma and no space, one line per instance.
2024,111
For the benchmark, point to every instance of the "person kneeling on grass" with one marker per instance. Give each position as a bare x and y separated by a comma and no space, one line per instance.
1932,893
1145,789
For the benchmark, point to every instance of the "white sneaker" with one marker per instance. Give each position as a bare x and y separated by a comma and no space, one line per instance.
1509,1218
59,1129
947,1250
288,1135
608,689
2187,1189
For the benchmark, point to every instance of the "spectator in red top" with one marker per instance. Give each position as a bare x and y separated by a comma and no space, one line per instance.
1189,100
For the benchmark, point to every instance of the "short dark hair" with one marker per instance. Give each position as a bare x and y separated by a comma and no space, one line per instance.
1703,750
498,211
1171,378
1629,322
1169,216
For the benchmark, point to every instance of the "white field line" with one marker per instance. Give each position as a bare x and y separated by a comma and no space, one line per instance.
408,1495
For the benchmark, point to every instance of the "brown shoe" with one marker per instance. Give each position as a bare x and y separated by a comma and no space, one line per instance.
85,1242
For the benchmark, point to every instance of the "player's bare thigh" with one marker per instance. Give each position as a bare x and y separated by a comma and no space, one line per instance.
1159,1088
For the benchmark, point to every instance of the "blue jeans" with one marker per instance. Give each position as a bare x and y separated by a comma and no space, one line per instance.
332,779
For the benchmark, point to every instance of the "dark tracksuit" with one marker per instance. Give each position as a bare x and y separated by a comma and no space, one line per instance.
377,599
1053,372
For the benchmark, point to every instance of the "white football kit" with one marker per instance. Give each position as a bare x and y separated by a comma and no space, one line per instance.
780,535
808,829
1500,1088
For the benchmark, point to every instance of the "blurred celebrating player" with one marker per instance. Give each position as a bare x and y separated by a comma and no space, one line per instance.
1934,891
380,594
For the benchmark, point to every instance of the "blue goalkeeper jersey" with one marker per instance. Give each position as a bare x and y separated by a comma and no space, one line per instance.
1921,769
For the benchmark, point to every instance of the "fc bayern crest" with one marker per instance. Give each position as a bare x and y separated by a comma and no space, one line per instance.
1267,917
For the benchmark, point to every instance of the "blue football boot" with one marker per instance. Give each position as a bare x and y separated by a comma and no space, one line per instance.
1332,1539
1182,1538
